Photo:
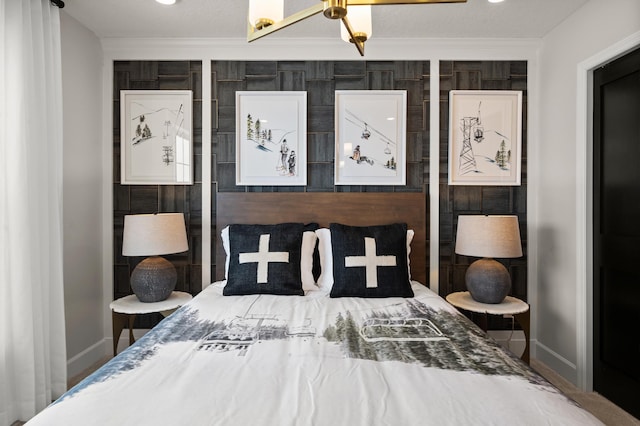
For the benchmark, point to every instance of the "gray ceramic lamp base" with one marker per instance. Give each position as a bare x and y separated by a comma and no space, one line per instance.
488,281
153,279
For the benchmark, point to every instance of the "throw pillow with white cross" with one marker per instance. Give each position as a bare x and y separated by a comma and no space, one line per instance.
263,257
381,250
371,261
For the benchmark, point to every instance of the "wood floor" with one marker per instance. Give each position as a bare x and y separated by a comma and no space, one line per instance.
606,411
600,407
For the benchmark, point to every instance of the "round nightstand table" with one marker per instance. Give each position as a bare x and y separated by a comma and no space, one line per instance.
125,309
510,306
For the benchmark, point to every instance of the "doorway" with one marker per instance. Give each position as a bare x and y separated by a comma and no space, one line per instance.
616,231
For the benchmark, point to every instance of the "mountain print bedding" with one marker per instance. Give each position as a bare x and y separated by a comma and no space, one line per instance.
314,360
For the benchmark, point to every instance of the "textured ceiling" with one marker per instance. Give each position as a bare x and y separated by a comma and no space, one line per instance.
227,19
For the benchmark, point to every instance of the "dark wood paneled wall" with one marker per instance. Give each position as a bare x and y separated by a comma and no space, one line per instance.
457,200
320,79
137,199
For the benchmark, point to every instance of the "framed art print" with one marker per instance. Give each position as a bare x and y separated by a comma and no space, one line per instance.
156,137
370,137
271,138
485,137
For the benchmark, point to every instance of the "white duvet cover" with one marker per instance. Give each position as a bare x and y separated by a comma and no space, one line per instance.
313,360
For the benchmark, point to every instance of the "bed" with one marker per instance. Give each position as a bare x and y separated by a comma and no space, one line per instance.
341,346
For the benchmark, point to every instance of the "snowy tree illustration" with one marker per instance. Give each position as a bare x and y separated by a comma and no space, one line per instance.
249,126
466,349
340,333
352,335
330,334
257,127
391,164
503,156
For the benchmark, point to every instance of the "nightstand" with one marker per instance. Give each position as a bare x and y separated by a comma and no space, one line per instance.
125,309
510,306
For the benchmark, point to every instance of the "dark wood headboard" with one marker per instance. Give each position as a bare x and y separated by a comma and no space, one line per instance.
349,208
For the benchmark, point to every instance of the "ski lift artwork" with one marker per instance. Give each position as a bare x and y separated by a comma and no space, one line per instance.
485,137
366,134
370,137
478,134
271,138
155,138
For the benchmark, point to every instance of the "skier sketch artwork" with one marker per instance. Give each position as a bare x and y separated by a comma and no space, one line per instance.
370,137
271,138
156,137
485,137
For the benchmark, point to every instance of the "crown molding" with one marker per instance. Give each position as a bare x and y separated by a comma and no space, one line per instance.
320,49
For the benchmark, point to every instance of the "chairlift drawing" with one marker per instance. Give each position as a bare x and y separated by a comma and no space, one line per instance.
478,134
365,133
401,330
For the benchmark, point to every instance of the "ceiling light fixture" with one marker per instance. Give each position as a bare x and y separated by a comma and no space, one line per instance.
267,16
166,2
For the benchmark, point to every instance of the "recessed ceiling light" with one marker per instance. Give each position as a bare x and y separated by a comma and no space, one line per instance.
490,1
167,2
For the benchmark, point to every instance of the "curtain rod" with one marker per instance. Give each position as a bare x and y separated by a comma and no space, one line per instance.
58,3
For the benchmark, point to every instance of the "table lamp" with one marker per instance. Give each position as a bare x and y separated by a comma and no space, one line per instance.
487,237
153,235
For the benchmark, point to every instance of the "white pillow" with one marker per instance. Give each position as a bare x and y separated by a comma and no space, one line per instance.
410,234
325,280
225,244
306,257
309,239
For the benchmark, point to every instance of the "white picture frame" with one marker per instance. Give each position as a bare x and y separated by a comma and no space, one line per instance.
485,137
370,128
156,143
271,138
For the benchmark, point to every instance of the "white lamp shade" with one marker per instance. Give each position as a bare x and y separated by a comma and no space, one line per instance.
488,236
360,19
154,234
265,9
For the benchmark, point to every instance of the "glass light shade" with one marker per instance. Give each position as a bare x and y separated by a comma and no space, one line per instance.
360,19
488,236
261,11
154,234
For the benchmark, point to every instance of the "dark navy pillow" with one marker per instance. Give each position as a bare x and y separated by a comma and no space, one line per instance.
370,261
265,259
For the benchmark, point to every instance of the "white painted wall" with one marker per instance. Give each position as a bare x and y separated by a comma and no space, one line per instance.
82,174
553,208
562,223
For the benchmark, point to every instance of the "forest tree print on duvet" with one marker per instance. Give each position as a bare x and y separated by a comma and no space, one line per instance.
406,331
270,360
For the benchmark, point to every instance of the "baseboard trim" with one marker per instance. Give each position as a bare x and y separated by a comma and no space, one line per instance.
98,351
565,368
86,358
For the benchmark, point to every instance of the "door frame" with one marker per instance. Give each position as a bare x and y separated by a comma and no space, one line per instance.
584,198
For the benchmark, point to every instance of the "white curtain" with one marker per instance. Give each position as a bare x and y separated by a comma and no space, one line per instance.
32,333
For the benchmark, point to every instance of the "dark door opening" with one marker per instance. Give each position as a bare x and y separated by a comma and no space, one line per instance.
616,233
